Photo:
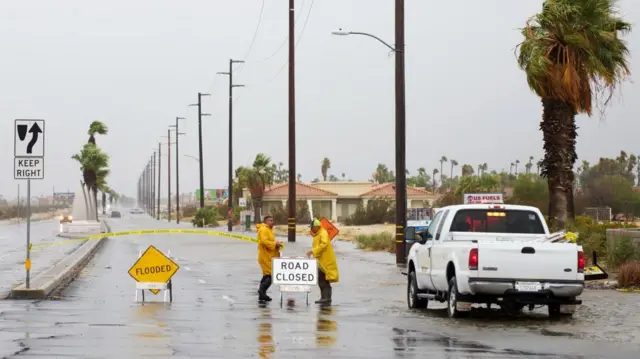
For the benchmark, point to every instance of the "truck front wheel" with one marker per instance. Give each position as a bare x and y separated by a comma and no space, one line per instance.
413,302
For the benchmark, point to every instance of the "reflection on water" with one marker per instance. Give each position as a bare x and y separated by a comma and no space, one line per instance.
149,312
266,345
326,327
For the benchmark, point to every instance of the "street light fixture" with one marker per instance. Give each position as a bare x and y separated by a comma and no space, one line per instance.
230,185
401,176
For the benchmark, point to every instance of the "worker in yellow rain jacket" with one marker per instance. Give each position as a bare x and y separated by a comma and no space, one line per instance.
268,248
322,250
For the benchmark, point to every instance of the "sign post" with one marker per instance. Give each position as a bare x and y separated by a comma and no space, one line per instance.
28,163
153,271
294,275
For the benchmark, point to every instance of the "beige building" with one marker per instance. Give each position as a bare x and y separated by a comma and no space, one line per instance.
338,200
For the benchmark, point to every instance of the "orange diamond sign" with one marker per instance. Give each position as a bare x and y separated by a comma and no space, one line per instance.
153,267
329,227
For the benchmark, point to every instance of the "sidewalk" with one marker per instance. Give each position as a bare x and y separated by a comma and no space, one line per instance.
13,252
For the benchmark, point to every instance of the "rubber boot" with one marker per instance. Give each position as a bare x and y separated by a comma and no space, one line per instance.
325,296
262,292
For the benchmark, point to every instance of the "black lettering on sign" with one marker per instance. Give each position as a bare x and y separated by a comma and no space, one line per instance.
153,270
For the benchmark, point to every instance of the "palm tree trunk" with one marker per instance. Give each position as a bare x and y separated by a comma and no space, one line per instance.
85,195
104,203
441,173
257,208
557,123
95,201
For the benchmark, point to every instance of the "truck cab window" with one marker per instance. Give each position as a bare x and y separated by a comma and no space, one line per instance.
497,221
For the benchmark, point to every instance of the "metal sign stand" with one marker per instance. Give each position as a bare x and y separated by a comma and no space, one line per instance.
142,286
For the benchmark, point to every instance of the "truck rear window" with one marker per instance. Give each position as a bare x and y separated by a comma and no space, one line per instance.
497,221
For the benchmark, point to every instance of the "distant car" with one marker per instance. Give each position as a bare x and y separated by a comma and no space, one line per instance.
66,219
136,211
115,214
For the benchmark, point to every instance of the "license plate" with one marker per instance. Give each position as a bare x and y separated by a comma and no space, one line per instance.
528,286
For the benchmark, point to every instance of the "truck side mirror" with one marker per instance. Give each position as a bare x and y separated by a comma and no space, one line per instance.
410,234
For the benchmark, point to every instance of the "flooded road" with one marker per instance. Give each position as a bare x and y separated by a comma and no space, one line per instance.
215,313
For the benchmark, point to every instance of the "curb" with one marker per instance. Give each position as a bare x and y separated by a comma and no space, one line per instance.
62,273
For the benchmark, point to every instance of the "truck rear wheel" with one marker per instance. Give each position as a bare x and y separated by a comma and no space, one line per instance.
452,301
413,302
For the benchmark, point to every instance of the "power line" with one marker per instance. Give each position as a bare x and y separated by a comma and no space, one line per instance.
253,40
304,26
284,42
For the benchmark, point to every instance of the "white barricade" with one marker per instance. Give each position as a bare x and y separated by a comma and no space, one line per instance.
294,275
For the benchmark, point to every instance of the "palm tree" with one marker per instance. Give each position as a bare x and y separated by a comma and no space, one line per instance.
571,54
326,164
435,172
482,169
517,163
454,163
258,177
93,162
530,164
96,127
299,177
103,187
511,168
344,177
443,159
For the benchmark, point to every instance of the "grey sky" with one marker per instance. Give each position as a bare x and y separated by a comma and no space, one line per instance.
136,65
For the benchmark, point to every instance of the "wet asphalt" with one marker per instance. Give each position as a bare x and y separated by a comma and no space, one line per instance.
13,238
215,313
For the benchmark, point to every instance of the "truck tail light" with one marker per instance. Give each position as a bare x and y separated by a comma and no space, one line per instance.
473,259
580,262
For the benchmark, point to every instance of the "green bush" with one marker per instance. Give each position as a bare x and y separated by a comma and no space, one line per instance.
383,241
624,250
281,214
377,212
205,217
593,237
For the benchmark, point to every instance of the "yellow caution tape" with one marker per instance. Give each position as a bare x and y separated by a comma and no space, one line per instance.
628,290
149,231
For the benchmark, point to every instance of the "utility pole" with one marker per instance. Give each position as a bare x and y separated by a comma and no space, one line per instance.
177,126
153,185
230,185
200,114
401,176
159,177
291,235
169,174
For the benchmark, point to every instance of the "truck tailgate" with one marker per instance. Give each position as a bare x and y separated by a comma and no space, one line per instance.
527,260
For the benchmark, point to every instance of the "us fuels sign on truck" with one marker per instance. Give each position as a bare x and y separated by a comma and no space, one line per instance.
153,267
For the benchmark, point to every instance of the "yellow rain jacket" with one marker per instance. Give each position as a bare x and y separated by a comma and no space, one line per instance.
266,248
323,250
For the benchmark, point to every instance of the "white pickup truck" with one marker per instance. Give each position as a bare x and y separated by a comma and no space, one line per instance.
493,254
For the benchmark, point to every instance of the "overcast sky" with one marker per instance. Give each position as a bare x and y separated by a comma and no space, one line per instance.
136,65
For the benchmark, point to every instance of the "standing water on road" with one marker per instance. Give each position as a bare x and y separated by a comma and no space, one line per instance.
215,313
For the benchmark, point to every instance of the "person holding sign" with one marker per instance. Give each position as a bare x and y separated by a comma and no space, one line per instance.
322,250
268,248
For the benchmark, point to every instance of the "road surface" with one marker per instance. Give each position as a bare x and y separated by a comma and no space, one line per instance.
13,239
215,313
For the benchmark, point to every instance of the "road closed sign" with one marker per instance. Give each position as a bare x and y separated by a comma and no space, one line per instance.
483,198
294,271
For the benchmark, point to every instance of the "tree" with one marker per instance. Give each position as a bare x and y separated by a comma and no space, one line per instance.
383,175
435,172
96,127
517,163
258,177
467,170
333,178
443,159
571,54
482,169
326,165
103,187
454,163
93,162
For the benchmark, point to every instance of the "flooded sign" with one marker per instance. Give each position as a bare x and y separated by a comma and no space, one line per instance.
329,227
294,271
153,267
483,198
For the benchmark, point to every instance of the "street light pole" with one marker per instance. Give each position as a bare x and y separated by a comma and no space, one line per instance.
200,114
291,234
230,185
169,174
401,174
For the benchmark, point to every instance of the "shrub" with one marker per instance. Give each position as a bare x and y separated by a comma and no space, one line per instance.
205,217
383,241
629,275
377,211
623,251
593,237
281,213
